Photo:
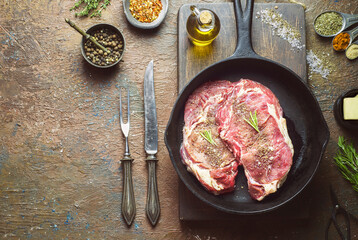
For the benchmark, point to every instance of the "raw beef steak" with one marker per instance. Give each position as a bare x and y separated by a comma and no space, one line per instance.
212,163
266,154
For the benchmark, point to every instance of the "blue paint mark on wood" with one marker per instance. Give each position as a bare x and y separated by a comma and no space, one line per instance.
136,226
4,156
55,228
14,131
9,39
114,119
107,159
69,218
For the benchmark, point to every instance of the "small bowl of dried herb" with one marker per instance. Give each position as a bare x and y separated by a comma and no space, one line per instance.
331,23
113,45
145,14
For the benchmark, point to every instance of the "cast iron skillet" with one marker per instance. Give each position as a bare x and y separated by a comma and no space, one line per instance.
306,125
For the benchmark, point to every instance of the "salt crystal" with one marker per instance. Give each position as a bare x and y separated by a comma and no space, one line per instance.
315,65
281,27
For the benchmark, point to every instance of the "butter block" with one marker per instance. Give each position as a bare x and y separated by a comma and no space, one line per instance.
350,108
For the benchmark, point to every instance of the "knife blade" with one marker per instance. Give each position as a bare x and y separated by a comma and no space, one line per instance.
151,128
151,145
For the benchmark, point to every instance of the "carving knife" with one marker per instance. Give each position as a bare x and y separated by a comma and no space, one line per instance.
151,145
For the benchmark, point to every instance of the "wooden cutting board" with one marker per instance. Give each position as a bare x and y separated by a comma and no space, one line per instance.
193,59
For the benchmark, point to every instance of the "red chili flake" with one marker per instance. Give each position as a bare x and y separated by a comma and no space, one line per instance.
145,10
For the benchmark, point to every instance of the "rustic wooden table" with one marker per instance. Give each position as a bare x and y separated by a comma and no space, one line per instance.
61,144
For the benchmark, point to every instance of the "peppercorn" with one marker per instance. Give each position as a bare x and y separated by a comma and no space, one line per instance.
108,39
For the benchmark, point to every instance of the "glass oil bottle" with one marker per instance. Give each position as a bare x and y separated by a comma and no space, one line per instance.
202,26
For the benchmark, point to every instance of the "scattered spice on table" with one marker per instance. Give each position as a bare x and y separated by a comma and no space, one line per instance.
110,40
328,23
281,27
90,7
341,41
352,51
316,65
145,10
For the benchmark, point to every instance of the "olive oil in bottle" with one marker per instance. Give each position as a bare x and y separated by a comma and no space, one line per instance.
202,26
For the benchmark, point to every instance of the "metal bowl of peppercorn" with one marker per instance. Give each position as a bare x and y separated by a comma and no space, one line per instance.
145,14
111,38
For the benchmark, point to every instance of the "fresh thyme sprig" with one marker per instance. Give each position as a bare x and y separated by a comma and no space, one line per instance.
347,161
253,121
207,136
91,5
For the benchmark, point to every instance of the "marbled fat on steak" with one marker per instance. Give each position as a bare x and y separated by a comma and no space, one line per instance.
223,108
266,155
213,164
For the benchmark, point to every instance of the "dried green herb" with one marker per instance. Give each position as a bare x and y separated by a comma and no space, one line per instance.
90,6
328,23
208,137
253,121
347,161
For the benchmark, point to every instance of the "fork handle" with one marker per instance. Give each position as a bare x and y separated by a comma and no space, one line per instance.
152,206
128,201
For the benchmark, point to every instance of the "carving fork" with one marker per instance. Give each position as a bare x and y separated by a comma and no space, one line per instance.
128,201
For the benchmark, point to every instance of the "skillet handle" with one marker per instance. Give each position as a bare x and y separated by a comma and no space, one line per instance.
243,24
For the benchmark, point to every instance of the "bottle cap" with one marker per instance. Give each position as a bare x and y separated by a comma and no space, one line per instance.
205,17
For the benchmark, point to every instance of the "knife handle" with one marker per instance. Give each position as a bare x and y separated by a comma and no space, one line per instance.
152,206
128,201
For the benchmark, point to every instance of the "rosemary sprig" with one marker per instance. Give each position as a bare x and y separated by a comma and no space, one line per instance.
207,136
347,161
90,5
253,121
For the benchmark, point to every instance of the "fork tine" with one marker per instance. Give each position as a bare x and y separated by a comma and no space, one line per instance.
128,112
120,106
124,125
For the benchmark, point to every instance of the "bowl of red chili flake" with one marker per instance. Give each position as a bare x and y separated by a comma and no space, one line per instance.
145,14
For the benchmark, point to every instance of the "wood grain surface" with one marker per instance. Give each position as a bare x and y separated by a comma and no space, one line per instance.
61,143
192,59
